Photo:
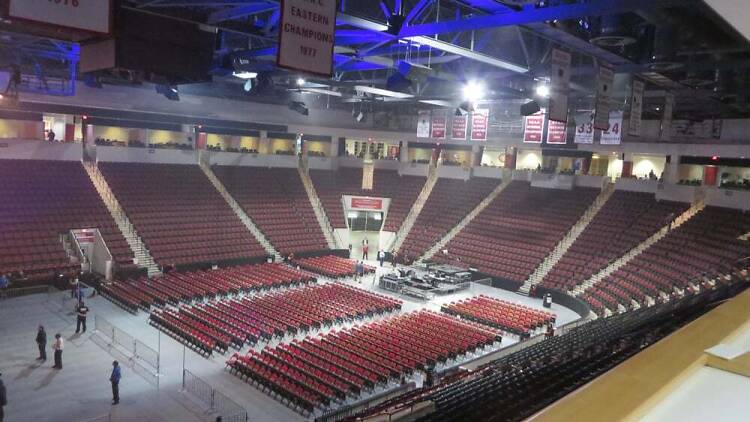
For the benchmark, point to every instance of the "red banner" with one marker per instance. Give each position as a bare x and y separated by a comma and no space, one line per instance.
458,127
367,203
556,132
533,128
479,125
439,124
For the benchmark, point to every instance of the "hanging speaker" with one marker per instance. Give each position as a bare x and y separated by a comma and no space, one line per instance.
529,108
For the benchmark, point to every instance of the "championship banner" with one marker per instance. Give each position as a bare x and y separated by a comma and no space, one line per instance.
458,127
423,124
584,129
358,202
533,127
636,108
84,15
479,120
666,119
306,36
603,96
560,83
556,132
439,126
613,135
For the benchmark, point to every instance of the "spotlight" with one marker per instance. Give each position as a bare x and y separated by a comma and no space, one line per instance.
360,117
473,91
299,107
300,81
542,90
168,91
245,75
248,85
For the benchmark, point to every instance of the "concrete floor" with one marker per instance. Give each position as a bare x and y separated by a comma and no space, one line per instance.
81,390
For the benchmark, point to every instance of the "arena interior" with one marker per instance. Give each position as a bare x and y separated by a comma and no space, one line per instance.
364,210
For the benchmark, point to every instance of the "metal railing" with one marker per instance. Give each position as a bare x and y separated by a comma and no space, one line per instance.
134,349
215,400
24,291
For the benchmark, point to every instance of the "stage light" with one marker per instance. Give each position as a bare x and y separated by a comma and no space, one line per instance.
300,81
360,116
542,90
714,158
168,91
473,91
299,107
245,75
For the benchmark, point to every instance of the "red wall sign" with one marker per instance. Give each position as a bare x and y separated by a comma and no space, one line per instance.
533,128
439,124
556,132
367,203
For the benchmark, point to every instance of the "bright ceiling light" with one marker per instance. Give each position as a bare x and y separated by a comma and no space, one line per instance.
300,81
473,91
542,90
245,75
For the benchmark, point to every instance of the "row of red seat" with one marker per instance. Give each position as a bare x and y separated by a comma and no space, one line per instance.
317,371
705,245
250,319
331,266
43,200
513,317
276,200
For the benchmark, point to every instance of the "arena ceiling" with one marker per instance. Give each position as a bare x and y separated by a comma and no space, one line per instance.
678,46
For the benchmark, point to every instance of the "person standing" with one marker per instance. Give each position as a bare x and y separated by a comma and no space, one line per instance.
365,249
381,257
114,378
41,341
81,311
3,398
58,347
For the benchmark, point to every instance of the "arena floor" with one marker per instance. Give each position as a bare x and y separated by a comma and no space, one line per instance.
81,390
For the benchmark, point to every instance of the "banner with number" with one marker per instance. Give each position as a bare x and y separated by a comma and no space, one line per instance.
666,118
479,120
556,132
533,128
85,15
560,82
439,125
636,108
458,127
584,128
603,97
613,135
423,124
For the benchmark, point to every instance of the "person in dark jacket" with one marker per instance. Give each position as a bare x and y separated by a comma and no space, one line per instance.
41,342
3,399
115,380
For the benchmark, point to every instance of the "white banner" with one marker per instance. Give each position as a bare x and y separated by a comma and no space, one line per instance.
636,108
603,96
560,82
306,36
613,135
666,119
86,15
423,124
584,128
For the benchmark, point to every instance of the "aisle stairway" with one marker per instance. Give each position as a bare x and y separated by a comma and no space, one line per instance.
317,206
240,213
469,217
601,275
416,208
562,247
127,229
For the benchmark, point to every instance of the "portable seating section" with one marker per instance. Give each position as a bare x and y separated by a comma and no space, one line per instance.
626,220
330,266
449,202
276,200
41,201
512,236
179,215
508,316
331,185
317,371
705,245
234,322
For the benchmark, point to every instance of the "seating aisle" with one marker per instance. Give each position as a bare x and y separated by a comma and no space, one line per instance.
512,236
276,201
402,190
180,216
41,201
450,201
